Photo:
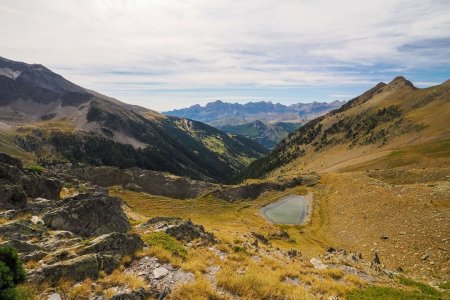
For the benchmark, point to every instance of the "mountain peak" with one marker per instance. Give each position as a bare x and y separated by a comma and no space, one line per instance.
399,82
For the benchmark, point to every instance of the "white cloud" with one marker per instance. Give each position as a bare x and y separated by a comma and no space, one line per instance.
193,44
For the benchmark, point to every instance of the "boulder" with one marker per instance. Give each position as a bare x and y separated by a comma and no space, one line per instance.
54,296
88,215
21,246
139,294
12,196
115,244
9,160
21,230
318,264
161,222
38,205
39,186
16,183
76,269
188,231
79,268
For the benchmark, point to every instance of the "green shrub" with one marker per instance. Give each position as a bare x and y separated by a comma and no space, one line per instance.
36,169
239,249
424,288
11,272
165,241
382,293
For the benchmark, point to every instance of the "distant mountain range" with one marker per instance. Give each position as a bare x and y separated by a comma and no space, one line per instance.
264,122
220,113
266,134
46,118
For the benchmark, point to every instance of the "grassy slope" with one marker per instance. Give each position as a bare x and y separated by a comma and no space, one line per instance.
423,120
398,188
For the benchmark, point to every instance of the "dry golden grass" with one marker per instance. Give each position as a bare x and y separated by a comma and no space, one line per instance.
228,221
77,291
197,290
118,278
257,282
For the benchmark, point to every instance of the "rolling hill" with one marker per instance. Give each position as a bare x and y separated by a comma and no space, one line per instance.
384,119
44,114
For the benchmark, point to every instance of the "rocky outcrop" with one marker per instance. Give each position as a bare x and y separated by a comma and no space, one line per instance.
114,244
188,232
12,196
252,191
161,277
152,182
76,269
21,246
88,215
21,230
185,231
16,183
162,222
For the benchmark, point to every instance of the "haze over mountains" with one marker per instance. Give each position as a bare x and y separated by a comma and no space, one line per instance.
264,122
220,113
58,120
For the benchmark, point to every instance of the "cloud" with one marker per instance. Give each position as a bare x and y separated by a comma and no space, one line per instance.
149,48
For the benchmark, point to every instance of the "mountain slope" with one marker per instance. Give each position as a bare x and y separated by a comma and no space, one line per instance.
59,121
387,117
220,113
264,133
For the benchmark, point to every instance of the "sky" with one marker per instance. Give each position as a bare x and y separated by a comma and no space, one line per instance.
173,54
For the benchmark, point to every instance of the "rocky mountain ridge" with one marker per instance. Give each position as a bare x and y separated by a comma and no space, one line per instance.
56,120
221,113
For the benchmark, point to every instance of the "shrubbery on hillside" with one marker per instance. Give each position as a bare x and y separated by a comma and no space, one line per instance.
11,273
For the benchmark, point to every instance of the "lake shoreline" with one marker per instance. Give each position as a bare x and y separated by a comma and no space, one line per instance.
304,214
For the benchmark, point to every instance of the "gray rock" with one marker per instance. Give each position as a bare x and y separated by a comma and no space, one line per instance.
188,231
12,196
21,230
34,256
166,275
160,272
254,190
108,263
318,264
88,215
152,182
38,205
21,246
8,214
115,243
54,296
76,269
140,294
161,222
16,184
